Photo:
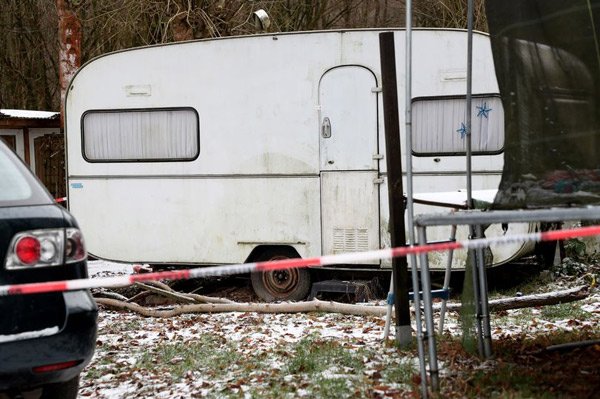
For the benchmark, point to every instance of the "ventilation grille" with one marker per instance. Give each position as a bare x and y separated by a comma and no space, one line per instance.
350,240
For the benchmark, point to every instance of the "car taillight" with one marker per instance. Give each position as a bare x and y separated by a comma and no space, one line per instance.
75,248
27,250
45,247
56,366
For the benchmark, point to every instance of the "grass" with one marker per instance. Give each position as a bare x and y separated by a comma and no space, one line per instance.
564,311
521,318
505,381
314,366
400,373
208,354
313,355
105,363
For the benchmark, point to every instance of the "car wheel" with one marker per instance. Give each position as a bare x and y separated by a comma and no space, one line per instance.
281,285
61,390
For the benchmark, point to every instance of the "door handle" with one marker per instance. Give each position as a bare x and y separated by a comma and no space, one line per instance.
326,128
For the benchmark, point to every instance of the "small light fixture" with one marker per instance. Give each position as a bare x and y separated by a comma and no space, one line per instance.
262,21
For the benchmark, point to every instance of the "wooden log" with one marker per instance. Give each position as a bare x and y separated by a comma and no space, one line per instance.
551,298
286,307
529,301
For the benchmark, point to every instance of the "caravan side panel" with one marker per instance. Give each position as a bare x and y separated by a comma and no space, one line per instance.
195,220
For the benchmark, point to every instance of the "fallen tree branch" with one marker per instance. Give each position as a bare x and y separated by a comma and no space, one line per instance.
529,301
316,305
209,299
171,294
286,307
159,284
104,293
163,289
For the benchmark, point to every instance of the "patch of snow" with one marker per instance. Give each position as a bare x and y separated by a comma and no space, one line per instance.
125,338
103,268
29,335
25,114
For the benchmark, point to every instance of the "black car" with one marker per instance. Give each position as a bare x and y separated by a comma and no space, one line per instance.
45,339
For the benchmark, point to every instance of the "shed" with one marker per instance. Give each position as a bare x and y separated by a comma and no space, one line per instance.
36,137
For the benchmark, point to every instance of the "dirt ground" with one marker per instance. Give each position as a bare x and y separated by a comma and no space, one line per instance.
521,361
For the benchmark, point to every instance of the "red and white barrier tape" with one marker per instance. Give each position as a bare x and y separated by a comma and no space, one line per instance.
121,281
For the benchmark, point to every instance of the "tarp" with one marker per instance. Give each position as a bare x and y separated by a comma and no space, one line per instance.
547,60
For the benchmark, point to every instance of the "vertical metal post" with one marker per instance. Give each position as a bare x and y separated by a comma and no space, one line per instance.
419,325
483,298
474,254
428,310
409,193
395,187
469,101
477,256
447,279
408,125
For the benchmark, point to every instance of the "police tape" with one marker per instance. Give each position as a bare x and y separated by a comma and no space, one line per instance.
346,258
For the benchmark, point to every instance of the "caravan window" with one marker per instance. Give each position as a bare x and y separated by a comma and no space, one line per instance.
141,135
439,125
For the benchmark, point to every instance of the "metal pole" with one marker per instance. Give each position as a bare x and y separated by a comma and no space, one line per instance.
483,297
447,279
469,101
476,298
409,194
419,325
428,305
476,255
393,158
388,311
408,124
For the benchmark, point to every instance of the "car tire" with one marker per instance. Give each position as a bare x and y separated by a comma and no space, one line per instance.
61,390
281,285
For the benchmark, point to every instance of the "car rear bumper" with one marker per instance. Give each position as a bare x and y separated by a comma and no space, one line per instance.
74,341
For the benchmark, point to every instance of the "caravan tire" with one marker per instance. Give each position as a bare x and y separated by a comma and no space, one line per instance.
281,285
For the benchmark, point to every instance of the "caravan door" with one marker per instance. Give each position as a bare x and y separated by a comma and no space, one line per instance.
349,169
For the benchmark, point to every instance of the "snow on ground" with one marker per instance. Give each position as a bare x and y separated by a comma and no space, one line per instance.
261,347
125,337
103,268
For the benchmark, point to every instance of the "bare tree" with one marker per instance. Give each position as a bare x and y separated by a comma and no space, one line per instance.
449,14
29,30
28,62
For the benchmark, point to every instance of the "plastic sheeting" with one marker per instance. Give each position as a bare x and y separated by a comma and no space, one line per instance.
547,59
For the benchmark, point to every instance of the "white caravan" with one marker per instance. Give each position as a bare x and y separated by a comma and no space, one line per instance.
258,147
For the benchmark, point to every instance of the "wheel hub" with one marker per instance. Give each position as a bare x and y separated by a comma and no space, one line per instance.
280,282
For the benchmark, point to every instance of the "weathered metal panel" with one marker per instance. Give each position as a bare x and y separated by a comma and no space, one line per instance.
196,220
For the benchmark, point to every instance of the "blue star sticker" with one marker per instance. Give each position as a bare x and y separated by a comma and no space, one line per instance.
483,111
462,130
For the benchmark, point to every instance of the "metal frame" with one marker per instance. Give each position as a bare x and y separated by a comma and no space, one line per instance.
474,219
479,219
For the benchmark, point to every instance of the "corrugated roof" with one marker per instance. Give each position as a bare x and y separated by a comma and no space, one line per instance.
25,114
